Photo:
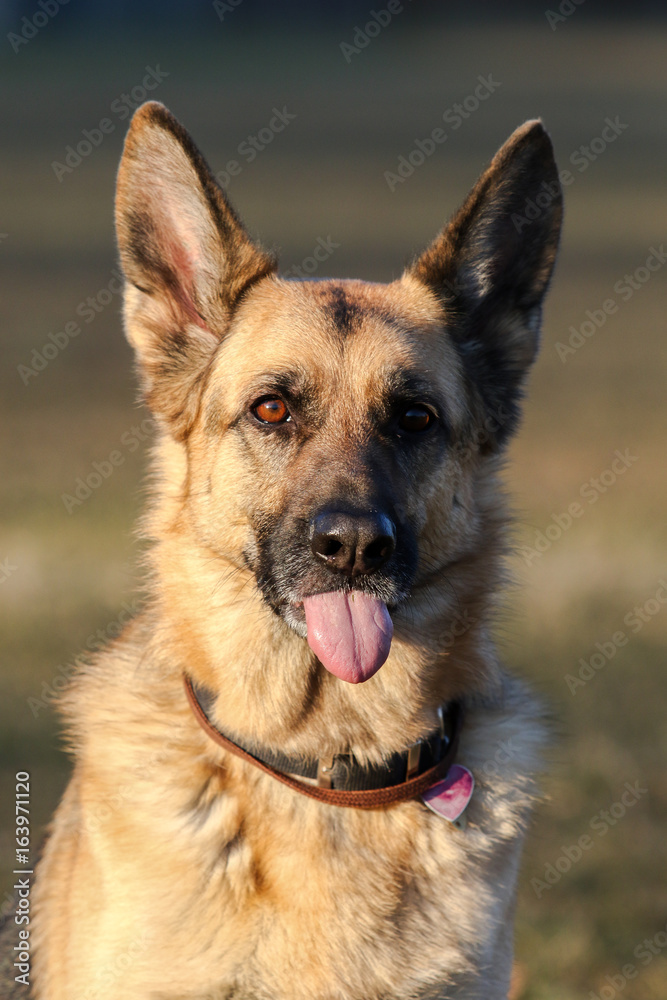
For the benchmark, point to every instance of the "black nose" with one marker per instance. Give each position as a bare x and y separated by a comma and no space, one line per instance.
353,543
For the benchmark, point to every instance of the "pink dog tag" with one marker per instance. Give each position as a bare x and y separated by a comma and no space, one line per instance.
449,797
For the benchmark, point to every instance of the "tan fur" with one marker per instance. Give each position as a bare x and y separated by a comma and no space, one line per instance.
174,870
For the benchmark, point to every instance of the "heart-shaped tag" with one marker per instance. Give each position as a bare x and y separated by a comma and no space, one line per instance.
449,797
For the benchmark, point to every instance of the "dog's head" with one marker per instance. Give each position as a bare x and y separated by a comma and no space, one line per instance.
335,432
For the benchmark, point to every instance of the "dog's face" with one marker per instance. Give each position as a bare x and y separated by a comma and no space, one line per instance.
341,403
336,431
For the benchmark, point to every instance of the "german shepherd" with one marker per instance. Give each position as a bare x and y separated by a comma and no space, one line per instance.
301,772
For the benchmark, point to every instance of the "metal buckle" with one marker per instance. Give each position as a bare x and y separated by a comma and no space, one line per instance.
414,752
441,726
324,769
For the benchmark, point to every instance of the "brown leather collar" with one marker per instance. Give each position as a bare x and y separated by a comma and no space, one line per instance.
441,747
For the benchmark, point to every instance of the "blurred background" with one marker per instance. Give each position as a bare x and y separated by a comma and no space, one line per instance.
350,173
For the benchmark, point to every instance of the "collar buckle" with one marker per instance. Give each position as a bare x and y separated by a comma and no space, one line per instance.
324,769
412,766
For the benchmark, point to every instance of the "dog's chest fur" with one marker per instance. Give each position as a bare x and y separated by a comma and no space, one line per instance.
241,888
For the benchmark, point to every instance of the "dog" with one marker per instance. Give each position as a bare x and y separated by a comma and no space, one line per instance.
301,771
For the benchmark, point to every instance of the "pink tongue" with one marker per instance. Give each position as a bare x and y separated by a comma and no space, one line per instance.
350,633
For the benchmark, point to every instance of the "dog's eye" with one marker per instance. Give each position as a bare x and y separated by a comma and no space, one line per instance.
415,419
271,411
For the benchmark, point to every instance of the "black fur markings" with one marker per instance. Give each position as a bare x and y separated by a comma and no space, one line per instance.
343,312
346,313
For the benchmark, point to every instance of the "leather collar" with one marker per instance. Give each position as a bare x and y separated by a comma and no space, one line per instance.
342,780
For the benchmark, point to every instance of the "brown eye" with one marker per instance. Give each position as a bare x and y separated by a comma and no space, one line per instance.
271,411
415,419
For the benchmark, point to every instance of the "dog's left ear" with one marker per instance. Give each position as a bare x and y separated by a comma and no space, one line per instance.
186,256
490,267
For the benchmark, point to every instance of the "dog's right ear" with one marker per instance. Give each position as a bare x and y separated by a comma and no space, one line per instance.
186,256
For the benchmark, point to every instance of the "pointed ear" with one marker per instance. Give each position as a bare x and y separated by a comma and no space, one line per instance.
490,268
186,256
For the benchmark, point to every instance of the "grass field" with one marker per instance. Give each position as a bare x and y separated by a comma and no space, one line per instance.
585,912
